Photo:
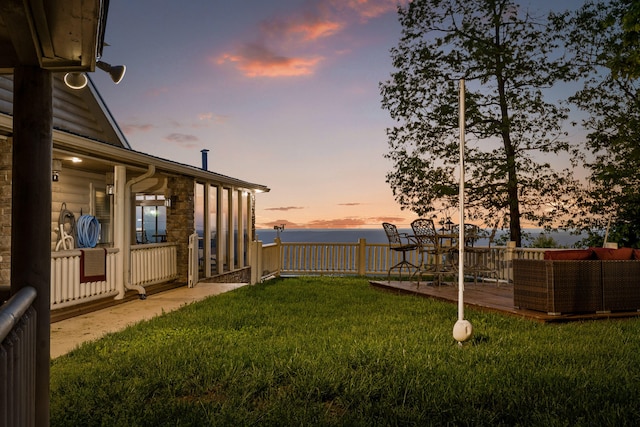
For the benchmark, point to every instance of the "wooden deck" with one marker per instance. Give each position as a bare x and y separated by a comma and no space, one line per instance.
489,297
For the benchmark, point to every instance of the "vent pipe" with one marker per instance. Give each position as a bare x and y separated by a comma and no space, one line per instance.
205,165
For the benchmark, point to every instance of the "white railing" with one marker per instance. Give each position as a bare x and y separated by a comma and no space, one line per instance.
153,263
66,289
368,259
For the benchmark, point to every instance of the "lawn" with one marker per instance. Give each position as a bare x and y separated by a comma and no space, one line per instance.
334,351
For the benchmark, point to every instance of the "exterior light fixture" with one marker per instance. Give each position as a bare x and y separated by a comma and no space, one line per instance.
77,80
110,190
115,71
56,167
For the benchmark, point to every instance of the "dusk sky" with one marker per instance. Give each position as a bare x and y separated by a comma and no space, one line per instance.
283,93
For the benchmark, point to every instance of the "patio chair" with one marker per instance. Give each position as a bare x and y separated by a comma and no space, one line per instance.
436,258
477,262
399,242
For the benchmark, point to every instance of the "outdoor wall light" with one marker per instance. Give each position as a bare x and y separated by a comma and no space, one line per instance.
56,167
110,189
115,71
80,80
75,80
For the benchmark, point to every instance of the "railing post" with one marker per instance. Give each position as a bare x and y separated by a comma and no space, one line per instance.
509,255
278,243
256,262
362,256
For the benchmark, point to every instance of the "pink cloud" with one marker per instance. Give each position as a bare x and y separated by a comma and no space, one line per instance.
205,119
258,61
131,128
182,140
298,32
154,92
306,28
369,9
285,208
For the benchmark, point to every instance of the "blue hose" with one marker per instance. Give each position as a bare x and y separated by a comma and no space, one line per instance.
88,229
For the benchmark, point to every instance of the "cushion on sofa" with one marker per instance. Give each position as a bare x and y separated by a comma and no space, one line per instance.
569,254
613,254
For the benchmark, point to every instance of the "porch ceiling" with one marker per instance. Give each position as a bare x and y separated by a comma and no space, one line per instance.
55,35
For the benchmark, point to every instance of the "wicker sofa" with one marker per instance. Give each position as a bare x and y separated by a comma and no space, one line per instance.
594,282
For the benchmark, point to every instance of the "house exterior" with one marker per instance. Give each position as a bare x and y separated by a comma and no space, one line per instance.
153,221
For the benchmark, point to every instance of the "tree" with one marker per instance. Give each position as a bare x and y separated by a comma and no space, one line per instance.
508,59
604,39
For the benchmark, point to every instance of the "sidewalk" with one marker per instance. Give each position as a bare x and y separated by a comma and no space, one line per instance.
68,334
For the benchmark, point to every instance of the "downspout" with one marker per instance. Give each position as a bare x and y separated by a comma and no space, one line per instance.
127,241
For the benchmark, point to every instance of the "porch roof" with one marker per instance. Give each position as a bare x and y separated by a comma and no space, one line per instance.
55,35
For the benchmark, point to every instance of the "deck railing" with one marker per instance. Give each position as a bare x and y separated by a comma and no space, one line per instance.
153,263
150,264
366,259
18,360
66,288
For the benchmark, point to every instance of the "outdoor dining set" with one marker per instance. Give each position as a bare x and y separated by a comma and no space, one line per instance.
438,250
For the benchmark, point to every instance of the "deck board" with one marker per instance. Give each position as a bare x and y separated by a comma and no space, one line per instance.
489,297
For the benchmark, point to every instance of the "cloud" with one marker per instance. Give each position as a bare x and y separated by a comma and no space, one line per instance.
256,60
306,28
301,32
154,92
337,223
206,119
350,204
369,9
182,140
284,209
391,219
131,128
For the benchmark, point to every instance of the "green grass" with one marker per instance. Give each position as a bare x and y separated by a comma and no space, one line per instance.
334,351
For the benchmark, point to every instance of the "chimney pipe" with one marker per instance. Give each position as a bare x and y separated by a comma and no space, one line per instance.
205,165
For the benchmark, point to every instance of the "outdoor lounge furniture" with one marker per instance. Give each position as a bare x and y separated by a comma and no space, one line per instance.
399,242
578,281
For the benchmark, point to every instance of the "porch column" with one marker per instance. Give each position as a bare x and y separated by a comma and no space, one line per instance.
31,210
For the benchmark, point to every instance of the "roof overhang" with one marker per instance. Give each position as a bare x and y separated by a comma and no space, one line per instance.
101,157
59,36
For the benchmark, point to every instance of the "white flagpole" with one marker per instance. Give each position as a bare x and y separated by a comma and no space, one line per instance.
463,329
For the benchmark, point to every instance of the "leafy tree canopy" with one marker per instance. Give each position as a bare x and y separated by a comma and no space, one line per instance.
604,40
508,59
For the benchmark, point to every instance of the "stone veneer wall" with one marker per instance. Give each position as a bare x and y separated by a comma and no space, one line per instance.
181,222
238,276
6,160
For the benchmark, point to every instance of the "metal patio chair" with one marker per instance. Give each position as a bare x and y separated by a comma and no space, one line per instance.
436,257
399,242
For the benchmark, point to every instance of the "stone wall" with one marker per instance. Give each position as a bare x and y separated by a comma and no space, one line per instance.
238,276
6,160
180,221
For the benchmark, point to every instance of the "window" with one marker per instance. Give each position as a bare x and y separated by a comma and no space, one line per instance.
151,218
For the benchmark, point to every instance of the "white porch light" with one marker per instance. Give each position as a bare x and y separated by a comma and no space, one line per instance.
462,330
79,80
